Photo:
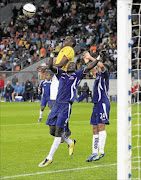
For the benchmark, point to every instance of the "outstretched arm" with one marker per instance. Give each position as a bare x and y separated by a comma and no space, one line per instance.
88,57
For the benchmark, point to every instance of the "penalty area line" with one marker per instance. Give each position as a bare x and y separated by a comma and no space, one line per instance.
58,171
20,124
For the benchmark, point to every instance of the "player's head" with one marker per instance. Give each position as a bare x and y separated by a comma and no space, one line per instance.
69,41
71,67
8,83
106,66
47,76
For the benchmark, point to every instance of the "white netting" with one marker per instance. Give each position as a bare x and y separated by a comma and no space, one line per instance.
136,91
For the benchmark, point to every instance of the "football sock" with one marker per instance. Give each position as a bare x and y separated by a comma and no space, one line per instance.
41,113
67,127
95,143
54,147
102,141
67,140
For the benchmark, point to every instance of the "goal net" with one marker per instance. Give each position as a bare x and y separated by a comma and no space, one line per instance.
129,90
136,91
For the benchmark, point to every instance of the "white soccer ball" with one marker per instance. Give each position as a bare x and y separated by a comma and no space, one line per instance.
29,10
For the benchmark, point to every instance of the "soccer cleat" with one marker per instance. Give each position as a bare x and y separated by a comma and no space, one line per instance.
71,147
44,163
92,156
98,157
40,119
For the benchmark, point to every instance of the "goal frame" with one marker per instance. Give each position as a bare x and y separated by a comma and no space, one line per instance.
124,34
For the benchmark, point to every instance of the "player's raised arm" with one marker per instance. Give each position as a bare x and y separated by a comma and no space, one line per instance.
87,57
50,63
96,62
62,63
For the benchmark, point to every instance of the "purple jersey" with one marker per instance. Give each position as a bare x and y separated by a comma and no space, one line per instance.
68,85
45,86
101,87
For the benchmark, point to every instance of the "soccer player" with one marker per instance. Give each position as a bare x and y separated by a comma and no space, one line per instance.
101,109
65,56
60,113
44,87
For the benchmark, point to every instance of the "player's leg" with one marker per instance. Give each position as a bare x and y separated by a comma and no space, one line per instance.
41,113
102,137
95,138
103,118
50,104
54,147
64,116
95,142
43,105
52,130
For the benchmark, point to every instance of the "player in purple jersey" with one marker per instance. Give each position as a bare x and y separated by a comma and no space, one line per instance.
60,113
101,109
44,87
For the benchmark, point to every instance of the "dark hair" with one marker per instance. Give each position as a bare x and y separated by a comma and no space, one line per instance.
107,66
73,40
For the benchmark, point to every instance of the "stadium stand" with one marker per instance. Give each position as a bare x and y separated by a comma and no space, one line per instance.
25,41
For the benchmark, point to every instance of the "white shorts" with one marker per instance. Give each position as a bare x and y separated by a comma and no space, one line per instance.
54,88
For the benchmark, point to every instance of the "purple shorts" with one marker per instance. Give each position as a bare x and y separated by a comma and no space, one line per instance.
45,101
59,115
100,113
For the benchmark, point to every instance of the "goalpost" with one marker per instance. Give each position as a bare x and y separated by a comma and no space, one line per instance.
128,140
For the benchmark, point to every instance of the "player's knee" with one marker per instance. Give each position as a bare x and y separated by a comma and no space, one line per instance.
101,127
52,130
95,129
59,131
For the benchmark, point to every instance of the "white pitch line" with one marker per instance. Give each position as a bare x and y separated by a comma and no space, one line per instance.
58,171
19,124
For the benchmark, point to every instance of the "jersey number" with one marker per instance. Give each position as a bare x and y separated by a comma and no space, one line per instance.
102,116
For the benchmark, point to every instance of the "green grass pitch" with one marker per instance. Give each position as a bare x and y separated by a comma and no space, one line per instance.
25,143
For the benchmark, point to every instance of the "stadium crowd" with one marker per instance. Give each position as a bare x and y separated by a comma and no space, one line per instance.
93,23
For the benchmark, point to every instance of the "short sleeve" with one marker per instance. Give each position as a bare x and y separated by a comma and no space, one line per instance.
80,73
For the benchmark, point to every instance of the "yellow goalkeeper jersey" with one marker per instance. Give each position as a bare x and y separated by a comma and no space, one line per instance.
69,53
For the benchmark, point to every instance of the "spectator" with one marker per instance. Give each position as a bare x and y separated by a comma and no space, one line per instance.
17,91
23,90
85,93
8,92
1,84
79,90
14,80
29,90
137,89
132,95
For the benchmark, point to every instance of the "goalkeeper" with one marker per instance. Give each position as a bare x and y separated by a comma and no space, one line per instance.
101,108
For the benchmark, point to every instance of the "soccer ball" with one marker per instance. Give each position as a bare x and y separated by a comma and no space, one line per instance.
29,10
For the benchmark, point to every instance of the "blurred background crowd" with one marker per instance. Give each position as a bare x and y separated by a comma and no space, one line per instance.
25,41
